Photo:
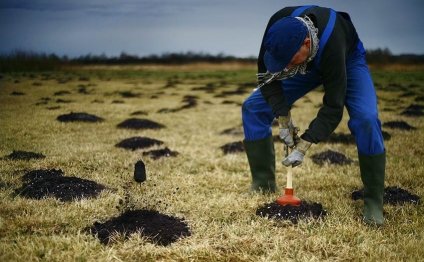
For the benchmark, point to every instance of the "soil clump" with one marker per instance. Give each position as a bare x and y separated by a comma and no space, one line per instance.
137,123
331,157
292,213
138,142
392,195
140,171
79,117
158,228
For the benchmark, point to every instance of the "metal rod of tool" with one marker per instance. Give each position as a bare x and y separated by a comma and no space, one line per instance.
289,171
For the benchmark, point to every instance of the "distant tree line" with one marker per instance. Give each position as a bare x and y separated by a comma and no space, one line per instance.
32,61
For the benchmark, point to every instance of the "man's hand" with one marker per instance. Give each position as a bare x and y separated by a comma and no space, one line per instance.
288,132
295,158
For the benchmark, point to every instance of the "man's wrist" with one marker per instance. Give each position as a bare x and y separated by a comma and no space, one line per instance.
303,146
283,121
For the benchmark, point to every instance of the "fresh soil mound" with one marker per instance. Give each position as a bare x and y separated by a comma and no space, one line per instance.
236,131
156,154
79,117
413,110
292,213
15,93
341,138
136,123
233,147
61,93
63,101
52,107
331,157
348,139
241,90
386,135
419,99
136,113
158,228
42,174
128,94
189,102
48,183
392,195
24,155
138,142
399,125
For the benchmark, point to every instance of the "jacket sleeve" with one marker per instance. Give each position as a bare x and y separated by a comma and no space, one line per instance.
333,71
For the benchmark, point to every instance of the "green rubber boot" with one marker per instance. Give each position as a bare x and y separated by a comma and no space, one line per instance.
372,174
261,157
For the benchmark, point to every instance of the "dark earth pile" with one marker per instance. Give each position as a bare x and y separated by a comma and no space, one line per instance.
138,142
330,157
232,131
413,110
419,99
233,147
241,90
392,195
188,102
128,94
42,174
136,123
158,228
139,112
16,93
64,101
79,117
61,93
51,183
292,213
165,152
348,139
341,138
24,155
399,125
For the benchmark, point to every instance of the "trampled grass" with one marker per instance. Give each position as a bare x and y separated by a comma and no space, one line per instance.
202,185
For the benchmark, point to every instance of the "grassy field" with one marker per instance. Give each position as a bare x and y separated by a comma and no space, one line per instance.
206,188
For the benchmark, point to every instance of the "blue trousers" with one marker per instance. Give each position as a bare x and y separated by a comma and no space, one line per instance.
360,101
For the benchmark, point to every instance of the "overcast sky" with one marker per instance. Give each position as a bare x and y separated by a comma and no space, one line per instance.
141,27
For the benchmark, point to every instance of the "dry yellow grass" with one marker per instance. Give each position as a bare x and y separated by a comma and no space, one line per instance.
212,190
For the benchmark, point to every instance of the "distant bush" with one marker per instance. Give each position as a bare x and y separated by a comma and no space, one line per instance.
18,61
166,58
385,56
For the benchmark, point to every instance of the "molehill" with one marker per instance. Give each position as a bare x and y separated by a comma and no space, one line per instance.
292,213
158,228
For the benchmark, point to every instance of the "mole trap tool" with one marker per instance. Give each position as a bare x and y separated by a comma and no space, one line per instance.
288,198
